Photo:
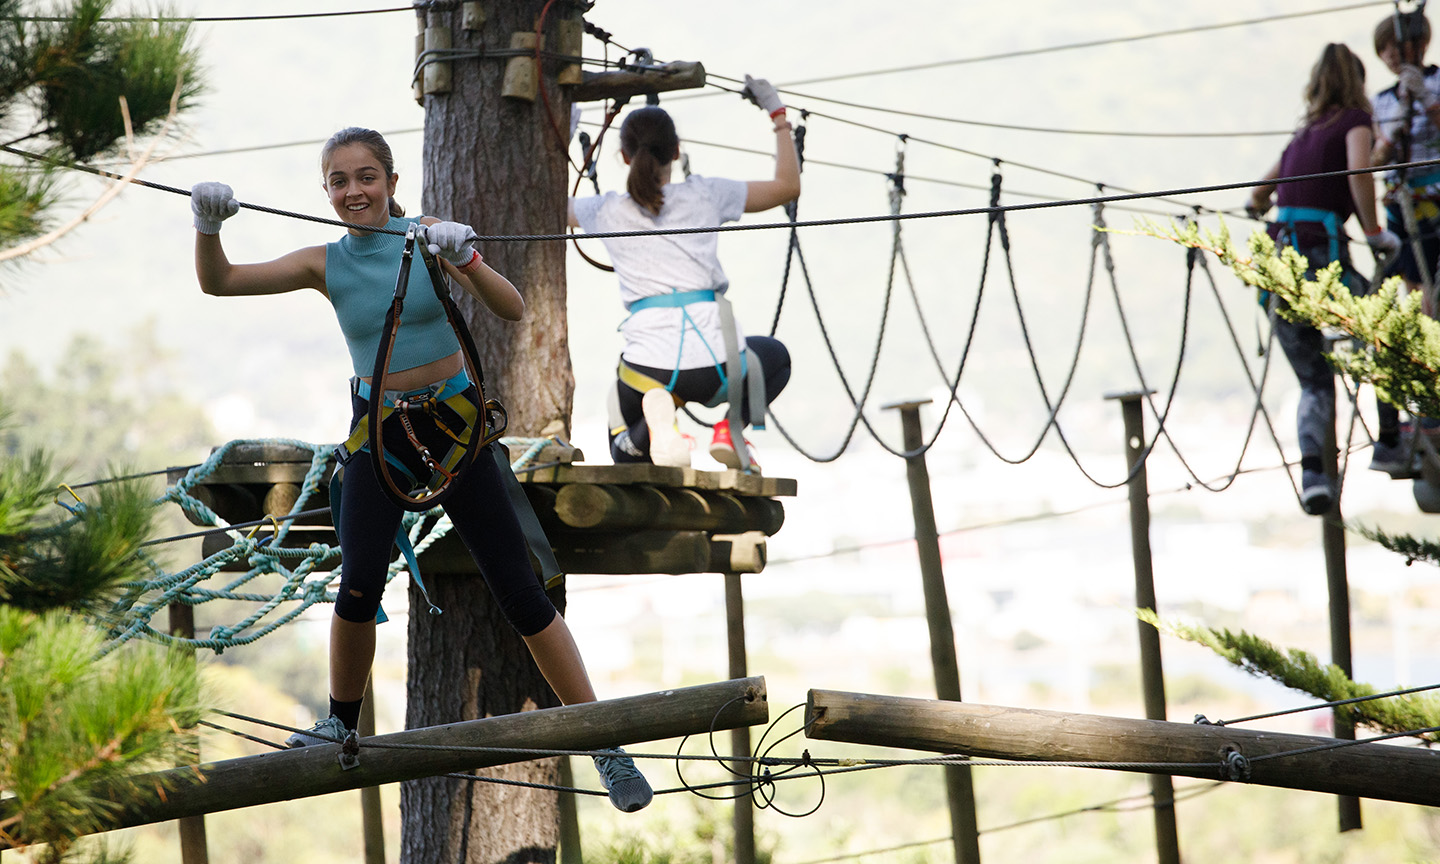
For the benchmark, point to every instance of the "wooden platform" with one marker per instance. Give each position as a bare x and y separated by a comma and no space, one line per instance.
611,519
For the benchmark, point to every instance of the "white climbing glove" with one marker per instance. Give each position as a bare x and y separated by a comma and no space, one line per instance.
212,203
452,241
760,91
1412,82
1384,242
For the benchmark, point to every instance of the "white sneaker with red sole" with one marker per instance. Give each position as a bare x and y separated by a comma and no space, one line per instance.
722,449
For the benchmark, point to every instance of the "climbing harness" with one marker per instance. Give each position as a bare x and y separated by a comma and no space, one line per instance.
446,405
452,409
740,368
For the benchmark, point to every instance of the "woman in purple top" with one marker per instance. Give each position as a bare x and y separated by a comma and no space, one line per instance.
1335,136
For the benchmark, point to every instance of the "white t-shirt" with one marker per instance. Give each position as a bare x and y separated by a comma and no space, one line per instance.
652,266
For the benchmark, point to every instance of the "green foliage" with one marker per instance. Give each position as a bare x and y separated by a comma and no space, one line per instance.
705,840
74,724
25,195
61,86
79,564
84,65
1412,548
1299,670
75,728
1400,345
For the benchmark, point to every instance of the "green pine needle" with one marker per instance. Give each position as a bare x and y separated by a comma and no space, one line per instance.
1300,670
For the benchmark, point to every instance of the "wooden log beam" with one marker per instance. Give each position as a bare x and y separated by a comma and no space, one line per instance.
612,506
289,774
1378,771
619,84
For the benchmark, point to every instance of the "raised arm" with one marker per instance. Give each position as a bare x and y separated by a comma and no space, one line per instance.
213,203
455,244
785,187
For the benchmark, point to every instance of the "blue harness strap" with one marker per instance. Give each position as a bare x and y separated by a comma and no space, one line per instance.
1423,180
732,369
1289,216
671,300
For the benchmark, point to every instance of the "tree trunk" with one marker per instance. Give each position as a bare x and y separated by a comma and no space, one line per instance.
496,164
468,664
493,163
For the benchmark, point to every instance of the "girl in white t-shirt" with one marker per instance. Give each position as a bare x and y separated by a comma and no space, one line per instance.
675,349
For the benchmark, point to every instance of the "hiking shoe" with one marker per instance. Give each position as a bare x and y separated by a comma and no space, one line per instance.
629,791
1399,460
722,449
667,445
327,731
1316,493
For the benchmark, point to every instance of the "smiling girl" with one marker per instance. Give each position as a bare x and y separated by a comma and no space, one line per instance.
357,274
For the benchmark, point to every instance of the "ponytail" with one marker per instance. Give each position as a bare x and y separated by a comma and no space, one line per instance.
648,139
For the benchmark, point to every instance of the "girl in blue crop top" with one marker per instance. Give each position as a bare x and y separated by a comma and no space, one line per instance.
357,274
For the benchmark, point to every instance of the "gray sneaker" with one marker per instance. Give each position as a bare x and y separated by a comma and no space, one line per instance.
628,788
1398,460
327,731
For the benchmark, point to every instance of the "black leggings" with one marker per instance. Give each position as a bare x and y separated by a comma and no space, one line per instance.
693,385
478,506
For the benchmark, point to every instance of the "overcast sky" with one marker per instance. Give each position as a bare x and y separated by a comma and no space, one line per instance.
276,366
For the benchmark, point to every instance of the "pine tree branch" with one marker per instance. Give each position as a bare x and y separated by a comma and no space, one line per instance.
136,166
1300,670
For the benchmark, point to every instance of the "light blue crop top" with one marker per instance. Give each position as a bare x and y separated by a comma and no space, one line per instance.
360,274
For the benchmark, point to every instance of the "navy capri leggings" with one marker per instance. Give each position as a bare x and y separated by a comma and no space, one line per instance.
478,506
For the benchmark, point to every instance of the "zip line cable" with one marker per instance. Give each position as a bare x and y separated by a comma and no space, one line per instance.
762,226
214,19
1102,133
1070,46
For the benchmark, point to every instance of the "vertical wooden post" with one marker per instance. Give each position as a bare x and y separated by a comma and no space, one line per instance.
744,818
372,825
1152,675
570,852
1332,539
964,831
193,846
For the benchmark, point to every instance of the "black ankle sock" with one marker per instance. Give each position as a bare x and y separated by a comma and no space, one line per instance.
347,712
1311,463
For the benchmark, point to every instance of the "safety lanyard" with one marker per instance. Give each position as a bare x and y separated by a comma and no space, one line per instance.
493,416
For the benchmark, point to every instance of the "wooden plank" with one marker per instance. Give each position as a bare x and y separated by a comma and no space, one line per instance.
1381,771
619,84
308,771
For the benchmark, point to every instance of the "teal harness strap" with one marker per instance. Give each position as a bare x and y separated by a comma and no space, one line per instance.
1423,180
1291,215
402,540
671,300
733,369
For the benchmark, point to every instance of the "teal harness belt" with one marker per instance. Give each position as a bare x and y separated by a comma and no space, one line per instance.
674,299
1291,215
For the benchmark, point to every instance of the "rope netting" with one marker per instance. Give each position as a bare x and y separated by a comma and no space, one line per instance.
305,575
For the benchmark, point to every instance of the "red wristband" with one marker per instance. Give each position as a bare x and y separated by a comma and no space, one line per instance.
777,112
472,265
